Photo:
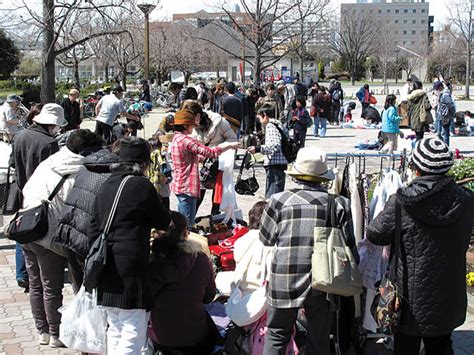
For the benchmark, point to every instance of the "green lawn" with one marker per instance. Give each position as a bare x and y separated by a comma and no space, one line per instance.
5,93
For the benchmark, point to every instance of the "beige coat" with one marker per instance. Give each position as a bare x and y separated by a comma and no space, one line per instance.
219,132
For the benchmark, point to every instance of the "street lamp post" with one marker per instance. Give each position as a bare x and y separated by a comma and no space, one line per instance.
147,9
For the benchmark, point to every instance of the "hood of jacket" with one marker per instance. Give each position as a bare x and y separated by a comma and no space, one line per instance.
100,161
65,162
177,270
436,200
415,95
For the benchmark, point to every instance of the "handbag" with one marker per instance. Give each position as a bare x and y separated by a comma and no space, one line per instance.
97,257
31,224
246,186
386,307
10,195
334,268
372,100
249,140
208,173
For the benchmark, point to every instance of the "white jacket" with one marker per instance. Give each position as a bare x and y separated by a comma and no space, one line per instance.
48,174
43,181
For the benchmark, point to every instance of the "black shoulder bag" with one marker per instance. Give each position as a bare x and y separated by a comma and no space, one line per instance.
386,307
97,258
32,224
247,186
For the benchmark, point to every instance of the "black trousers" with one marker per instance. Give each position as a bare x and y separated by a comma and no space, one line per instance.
280,323
410,345
105,131
419,135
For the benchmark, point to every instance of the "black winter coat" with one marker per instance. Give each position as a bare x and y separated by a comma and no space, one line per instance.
72,114
437,218
75,218
125,280
30,148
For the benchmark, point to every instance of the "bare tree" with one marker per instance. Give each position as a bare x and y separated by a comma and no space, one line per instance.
123,50
355,40
161,61
460,12
309,18
252,36
56,16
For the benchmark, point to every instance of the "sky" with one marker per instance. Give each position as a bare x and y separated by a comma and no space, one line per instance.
438,8
166,8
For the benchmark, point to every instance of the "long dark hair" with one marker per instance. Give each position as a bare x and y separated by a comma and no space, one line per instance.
167,246
390,101
34,111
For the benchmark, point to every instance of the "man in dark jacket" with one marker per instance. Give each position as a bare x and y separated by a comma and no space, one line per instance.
30,148
76,216
232,108
436,223
72,111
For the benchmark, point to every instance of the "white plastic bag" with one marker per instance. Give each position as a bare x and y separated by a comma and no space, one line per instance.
229,200
84,324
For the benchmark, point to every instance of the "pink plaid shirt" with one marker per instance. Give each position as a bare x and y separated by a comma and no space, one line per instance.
185,152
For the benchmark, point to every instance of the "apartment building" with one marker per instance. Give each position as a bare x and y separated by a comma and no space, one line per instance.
408,20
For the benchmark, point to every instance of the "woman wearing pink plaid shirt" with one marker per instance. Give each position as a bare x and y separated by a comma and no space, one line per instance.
185,153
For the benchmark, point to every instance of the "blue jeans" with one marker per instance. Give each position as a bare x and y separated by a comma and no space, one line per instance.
275,180
445,133
21,273
320,121
187,207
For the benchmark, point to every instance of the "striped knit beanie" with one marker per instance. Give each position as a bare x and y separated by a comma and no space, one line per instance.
432,156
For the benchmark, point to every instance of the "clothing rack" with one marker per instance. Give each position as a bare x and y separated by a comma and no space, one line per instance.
362,157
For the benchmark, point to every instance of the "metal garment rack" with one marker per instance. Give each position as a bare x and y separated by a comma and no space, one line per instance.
362,157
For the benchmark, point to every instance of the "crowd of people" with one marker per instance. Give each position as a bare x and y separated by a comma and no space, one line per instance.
157,277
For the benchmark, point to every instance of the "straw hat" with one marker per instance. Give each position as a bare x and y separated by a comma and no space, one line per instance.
311,165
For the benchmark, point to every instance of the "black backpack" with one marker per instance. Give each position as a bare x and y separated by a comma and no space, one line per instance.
289,147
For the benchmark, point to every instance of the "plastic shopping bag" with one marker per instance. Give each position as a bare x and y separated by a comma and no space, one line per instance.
83,324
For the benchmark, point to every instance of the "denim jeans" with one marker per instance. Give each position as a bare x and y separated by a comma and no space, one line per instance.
187,207
320,121
445,134
21,273
275,179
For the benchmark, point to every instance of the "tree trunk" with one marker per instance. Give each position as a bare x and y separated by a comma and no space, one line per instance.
468,69
302,67
187,75
124,78
77,81
48,56
106,72
257,67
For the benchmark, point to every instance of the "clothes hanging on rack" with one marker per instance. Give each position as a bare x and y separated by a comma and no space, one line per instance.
356,207
336,185
374,258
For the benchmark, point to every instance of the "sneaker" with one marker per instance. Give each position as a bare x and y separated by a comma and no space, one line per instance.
55,342
44,339
24,284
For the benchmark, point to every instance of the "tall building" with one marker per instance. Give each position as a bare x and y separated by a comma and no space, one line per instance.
407,20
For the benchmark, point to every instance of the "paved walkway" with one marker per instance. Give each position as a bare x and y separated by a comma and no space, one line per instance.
17,331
